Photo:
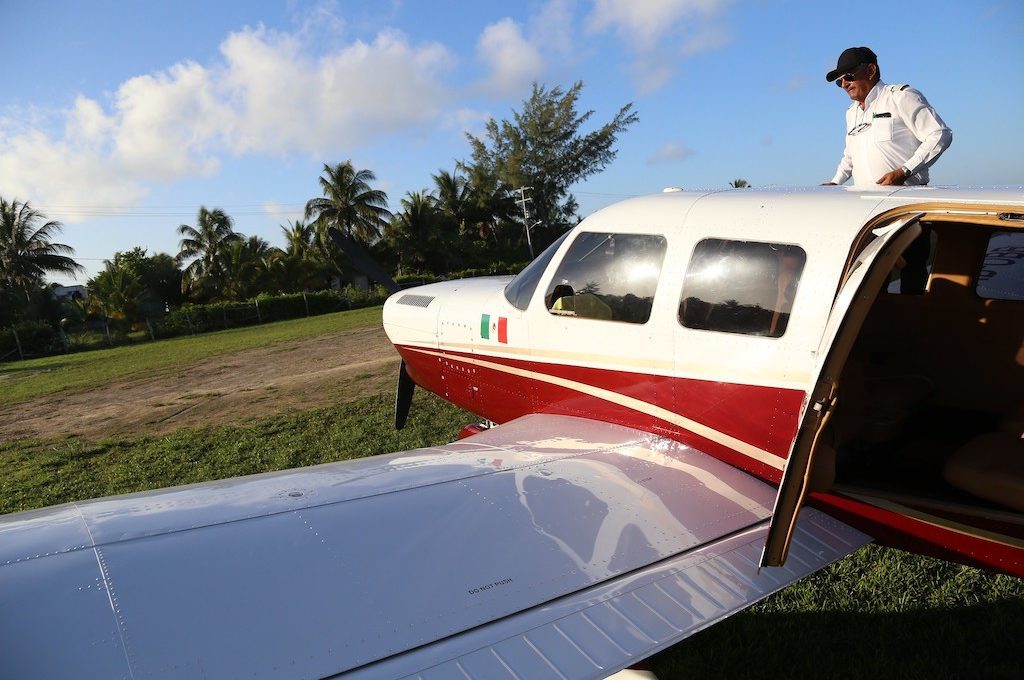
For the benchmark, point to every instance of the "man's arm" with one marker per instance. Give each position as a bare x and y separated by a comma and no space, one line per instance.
844,170
922,120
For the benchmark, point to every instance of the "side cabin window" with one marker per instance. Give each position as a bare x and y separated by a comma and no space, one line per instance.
608,276
1002,273
519,290
741,287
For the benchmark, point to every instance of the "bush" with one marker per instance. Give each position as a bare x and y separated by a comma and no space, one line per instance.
36,338
496,269
191,319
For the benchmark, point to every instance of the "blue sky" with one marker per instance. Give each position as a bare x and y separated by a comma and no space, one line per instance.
121,118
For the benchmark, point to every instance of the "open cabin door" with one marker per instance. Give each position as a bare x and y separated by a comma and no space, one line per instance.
862,281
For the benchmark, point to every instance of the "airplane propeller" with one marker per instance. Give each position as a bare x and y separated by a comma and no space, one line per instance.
403,396
362,261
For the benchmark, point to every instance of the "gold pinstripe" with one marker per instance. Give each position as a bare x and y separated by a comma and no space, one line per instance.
639,405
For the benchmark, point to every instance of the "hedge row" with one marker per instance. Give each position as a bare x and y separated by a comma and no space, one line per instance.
35,339
496,269
191,319
41,339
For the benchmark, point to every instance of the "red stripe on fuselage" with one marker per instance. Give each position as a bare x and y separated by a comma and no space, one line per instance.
765,417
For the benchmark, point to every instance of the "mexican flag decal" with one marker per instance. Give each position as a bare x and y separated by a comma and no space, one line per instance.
494,327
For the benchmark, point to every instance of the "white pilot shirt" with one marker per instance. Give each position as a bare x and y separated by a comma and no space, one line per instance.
897,127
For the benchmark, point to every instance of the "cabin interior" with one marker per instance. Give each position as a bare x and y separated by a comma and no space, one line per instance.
930,410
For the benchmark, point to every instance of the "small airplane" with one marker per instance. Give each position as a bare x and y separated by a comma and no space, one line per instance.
690,400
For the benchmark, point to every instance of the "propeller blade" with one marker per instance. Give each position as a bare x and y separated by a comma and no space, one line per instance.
403,396
361,260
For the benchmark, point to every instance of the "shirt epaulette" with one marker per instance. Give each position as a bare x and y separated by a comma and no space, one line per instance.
897,88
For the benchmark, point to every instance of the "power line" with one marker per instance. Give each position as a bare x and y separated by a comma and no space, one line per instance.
175,211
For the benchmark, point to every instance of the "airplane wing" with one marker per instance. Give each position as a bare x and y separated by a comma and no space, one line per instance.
548,546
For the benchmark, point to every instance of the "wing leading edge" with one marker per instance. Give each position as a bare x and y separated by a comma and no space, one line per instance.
517,546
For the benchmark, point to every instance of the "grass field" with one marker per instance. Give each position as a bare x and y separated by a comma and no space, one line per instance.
23,380
877,613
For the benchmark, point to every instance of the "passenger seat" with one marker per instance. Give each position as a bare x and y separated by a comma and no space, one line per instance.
991,466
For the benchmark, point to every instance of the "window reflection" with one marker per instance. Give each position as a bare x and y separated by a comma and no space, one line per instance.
608,276
520,290
741,287
1002,274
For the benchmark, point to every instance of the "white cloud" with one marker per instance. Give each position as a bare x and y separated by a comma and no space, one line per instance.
169,125
286,214
87,122
466,120
513,62
63,174
670,151
266,95
552,27
659,32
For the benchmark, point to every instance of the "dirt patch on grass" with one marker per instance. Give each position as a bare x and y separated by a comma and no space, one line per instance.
227,389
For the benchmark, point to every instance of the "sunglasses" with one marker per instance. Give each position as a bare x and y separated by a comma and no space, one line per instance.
849,75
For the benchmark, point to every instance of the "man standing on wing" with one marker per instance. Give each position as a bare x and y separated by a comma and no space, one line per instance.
893,134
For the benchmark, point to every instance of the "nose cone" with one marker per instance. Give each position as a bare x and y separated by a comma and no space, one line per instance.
417,316
410,316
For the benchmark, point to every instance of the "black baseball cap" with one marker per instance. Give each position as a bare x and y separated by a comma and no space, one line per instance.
851,58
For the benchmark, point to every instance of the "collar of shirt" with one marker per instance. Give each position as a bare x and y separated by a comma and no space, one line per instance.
874,94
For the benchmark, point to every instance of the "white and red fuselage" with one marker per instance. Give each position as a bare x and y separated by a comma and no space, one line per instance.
740,397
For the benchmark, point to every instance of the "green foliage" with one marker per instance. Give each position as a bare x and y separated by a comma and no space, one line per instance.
496,269
414,234
27,250
349,204
117,292
36,339
191,319
213,232
543,147
159,275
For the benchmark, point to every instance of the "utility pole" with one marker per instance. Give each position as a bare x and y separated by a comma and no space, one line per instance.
522,201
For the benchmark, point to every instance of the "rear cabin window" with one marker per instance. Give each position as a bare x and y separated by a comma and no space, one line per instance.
605,276
741,287
1002,273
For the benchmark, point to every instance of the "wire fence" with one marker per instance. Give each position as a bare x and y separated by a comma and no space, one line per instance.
30,339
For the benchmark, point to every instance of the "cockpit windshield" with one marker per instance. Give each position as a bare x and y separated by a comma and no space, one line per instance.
520,290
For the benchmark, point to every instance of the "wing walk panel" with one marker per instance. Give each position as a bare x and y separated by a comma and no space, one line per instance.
317,571
604,629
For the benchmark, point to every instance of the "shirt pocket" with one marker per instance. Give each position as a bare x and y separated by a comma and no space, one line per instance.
882,129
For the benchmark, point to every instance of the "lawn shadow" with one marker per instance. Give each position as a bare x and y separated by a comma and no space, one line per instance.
15,368
982,640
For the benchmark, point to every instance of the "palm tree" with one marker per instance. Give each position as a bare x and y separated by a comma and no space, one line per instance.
117,292
298,238
739,184
414,230
349,204
300,265
244,267
214,229
455,200
26,250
